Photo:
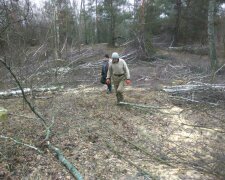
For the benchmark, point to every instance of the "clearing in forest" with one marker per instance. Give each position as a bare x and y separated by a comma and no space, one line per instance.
156,136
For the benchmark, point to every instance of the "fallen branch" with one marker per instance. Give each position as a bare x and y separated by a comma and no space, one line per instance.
191,49
204,128
198,92
194,101
126,43
23,93
65,162
141,105
21,143
60,156
194,87
19,92
154,108
219,69
27,117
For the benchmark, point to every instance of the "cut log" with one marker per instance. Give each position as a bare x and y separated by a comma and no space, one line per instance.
199,50
194,87
197,92
65,162
18,92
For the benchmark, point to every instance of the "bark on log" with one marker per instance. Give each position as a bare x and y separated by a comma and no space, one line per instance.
18,92
194,87
191,49
65,162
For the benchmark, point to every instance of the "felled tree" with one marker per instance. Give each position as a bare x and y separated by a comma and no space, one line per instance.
45,124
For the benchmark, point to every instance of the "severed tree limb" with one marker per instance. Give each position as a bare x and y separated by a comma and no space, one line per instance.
27,117
48,129
191,49
24,144
23,93
59,154
204,128
157,109
30,91
194,87
193,101
65,162
141,105
179,92
218,69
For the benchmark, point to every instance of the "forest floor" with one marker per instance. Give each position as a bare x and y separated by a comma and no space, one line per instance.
167,139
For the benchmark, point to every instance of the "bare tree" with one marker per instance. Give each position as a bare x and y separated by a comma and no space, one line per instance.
56,30
96,22
177,24
211,36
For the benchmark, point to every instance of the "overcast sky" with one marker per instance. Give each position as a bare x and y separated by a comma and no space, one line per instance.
40,3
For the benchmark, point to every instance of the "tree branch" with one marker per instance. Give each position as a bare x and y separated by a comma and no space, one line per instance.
23,93
24,144
59,154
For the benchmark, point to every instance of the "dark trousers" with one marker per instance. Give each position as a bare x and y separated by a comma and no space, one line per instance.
109,87
103,81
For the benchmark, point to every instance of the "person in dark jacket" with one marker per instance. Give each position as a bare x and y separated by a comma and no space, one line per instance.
105,66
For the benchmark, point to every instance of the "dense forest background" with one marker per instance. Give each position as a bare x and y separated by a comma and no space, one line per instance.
59,26
64,24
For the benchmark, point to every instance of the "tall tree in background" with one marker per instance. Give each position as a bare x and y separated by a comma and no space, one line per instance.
211,35
114,14
96,22
61,19
144,28
83,21
13,19
56,30
110,8
177,23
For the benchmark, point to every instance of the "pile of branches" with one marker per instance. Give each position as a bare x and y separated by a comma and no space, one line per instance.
199,50
198,92
141,46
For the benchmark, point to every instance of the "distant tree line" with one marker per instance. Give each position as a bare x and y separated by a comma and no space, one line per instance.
62,22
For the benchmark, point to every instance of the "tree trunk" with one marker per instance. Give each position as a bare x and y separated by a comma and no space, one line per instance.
56,30
223,38
96,22
142,18
211,36
82,23
85,24
56,35
188,27
177,25
112,24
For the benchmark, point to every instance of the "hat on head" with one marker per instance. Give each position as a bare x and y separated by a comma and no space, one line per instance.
115,55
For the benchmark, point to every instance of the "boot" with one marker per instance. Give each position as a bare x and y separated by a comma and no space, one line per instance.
119,96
